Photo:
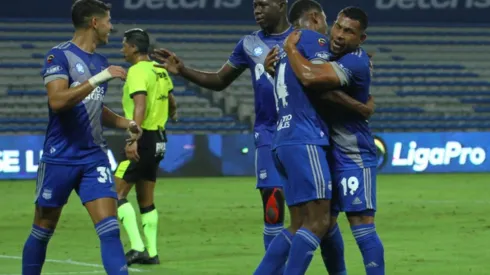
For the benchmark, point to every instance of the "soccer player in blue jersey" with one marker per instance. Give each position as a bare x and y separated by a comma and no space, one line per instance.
353,149
249,53
75,155
300,149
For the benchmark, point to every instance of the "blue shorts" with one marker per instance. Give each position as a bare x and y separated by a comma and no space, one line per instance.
265,169
304,170
354,190
56,181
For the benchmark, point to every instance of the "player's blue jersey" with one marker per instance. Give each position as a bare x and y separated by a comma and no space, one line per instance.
298,120
250,53
75,136
352,141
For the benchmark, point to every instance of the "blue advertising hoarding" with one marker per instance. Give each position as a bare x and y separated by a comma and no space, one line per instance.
233,155
380,11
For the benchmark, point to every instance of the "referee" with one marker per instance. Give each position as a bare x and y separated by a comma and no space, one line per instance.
148,100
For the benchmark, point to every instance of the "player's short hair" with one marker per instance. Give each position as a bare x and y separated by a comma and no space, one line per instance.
299,7
83,10
357,14
138,38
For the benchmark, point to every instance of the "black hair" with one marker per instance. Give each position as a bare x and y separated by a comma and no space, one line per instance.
138,38
299,7
357,14
83,10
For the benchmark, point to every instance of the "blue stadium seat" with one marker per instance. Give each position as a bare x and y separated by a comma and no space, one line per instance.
26,120
26,92
404,118
418,67
430,83
399,110
443,93
426,74
20,65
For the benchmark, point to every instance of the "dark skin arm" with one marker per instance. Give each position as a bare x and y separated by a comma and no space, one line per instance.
172,107
341,98
310,75
216,81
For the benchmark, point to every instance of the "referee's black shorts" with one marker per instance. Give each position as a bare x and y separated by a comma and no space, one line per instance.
151,149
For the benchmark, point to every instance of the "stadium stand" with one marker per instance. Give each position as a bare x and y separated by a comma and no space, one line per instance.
426,79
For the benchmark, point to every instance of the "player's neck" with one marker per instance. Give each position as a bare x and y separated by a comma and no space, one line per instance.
84,40
143,57
280,28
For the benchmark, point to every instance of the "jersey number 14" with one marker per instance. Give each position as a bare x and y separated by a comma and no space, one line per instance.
280,89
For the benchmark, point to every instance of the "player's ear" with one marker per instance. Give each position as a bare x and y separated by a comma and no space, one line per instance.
363,37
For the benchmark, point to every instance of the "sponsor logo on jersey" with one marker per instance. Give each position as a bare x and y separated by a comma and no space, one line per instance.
53,70
50,58
258,51
79,68
322,41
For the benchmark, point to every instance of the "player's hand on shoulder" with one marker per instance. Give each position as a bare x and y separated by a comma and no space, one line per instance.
271,60
131,151
292,40
117,72
168,60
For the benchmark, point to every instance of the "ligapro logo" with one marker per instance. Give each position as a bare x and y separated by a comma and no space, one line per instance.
419,158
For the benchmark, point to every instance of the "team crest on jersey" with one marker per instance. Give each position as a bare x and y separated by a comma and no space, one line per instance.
258,51
322,41
50,58
47,194
80,68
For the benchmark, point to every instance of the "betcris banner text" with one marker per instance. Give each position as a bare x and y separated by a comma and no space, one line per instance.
380,11
433,152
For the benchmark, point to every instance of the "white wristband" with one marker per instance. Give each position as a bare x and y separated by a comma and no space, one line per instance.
100,78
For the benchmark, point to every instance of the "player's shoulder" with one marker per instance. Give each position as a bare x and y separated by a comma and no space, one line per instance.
313,37
359,55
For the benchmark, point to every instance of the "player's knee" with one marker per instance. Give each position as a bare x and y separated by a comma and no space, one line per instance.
361,217
273,202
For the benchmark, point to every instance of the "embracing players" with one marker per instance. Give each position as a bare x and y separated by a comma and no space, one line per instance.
250,53
75,155
353,150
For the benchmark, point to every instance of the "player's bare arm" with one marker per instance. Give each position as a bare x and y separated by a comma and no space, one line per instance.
172,107
216,81
311,75
61,97
350,104
113,120
139,108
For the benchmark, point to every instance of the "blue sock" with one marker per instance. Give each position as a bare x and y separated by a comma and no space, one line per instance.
34,252
371,248
276,255
111,247
271,231
301,253
332,247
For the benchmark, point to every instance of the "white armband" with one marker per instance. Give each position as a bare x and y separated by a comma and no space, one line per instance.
100,78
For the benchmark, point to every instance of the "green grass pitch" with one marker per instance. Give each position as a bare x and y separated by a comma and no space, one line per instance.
429,224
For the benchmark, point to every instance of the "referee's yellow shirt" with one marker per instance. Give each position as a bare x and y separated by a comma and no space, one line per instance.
144,78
